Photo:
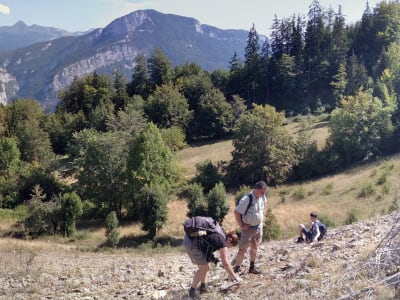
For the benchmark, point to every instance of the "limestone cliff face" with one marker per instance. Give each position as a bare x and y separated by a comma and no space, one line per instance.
8,86
40,71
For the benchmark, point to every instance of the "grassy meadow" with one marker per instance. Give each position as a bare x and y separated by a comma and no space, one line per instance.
360,192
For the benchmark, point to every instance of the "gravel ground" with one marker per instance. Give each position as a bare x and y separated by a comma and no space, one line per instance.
325,270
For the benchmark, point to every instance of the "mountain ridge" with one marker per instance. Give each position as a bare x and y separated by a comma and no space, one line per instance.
41,70
21,35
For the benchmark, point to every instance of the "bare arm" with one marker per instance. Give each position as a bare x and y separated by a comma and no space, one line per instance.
223,254
238,217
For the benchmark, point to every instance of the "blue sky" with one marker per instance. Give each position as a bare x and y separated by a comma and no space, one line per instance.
80,15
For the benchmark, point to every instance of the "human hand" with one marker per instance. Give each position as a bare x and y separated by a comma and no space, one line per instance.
245,226
238,279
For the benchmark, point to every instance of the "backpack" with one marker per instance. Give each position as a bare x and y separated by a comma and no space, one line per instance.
322,229
199,226
250,195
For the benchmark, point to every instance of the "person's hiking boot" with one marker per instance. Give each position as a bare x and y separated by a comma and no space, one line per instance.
236,269
254,271
193,293
300,239
204,289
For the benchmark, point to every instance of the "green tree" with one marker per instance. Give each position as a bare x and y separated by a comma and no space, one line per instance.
359,126
159,68
262,148
154,208
90,96
213,117
127,122
101,162
36,223
174,138
112,231
71,210
218,206
197,204
167,107
10,169
194,86
150,163
272,229
10,157
339,82
119,96
139,82
24,122
207,175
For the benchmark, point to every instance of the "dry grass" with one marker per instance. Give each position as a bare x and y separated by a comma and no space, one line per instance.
200,152
332,196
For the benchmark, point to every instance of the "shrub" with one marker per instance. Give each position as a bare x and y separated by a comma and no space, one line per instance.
351,217
207,175
218,206
244,189
394,206
327,190
272,229
367,190
197,204
382,179
300,193
327,221
112,232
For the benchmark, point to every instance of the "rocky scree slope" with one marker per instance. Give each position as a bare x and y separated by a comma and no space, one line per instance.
325,270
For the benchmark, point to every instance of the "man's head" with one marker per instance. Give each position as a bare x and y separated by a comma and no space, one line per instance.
313,215
260,188
232,239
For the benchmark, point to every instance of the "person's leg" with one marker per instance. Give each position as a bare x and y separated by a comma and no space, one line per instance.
239,258
199,276
255,242
301,226
243,246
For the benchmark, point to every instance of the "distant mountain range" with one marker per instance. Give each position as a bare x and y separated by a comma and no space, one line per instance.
40,70
21,35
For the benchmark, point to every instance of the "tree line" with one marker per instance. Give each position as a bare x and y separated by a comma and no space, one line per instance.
110,145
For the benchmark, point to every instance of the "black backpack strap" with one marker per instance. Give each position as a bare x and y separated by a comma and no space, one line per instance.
250,195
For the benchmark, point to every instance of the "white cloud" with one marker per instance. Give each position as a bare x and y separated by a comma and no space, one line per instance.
5,10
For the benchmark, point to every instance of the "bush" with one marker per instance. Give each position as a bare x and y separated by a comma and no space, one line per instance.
351,217
367,190
327,190
300,193
244,189
272,229
174,138
394,206
112,231
218,205
207,175
327,221
196,202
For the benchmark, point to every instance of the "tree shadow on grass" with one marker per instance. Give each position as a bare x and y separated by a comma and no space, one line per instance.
137,241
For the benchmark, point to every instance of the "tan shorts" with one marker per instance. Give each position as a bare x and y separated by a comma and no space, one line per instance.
196,255
252,235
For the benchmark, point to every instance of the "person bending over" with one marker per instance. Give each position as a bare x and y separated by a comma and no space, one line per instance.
200,247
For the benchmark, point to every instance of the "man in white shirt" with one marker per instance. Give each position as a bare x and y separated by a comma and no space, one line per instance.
249,215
